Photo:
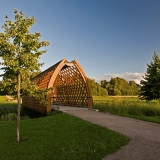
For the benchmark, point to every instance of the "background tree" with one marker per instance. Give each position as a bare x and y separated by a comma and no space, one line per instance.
134,88
96,89
150,86
20,52
3,91
119,86
35,74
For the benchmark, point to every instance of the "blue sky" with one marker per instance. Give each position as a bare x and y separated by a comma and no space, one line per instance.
109,38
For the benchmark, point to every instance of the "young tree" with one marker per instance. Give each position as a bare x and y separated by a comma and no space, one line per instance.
150,86
20,52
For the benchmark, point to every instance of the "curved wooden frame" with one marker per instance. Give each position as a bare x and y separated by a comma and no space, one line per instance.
69,83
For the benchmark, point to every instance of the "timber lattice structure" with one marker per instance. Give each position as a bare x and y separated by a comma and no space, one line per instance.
70,87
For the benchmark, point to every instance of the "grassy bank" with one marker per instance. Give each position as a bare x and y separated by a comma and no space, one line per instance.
130,107
58,136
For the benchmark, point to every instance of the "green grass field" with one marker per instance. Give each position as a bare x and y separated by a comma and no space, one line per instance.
57,136
3,99
129,106
62,136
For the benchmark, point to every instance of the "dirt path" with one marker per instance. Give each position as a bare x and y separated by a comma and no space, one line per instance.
145,136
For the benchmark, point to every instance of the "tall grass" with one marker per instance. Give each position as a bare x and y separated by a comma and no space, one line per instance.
131,106
8,111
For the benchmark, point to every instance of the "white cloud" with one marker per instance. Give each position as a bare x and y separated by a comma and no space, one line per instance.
129,76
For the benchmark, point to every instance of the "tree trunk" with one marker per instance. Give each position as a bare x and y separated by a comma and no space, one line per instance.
19,106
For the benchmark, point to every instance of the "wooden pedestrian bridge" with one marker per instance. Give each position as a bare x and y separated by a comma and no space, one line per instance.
69,83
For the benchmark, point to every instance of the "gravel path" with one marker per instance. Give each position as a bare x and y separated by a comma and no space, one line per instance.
145,136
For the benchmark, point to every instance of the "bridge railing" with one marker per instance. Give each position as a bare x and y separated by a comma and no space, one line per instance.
74,101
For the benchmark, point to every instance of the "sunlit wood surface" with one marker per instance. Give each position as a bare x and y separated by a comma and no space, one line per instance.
70,87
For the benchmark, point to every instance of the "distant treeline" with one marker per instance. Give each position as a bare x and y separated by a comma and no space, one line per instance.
115,87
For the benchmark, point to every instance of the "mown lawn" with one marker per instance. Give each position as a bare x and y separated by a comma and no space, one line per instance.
58,136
